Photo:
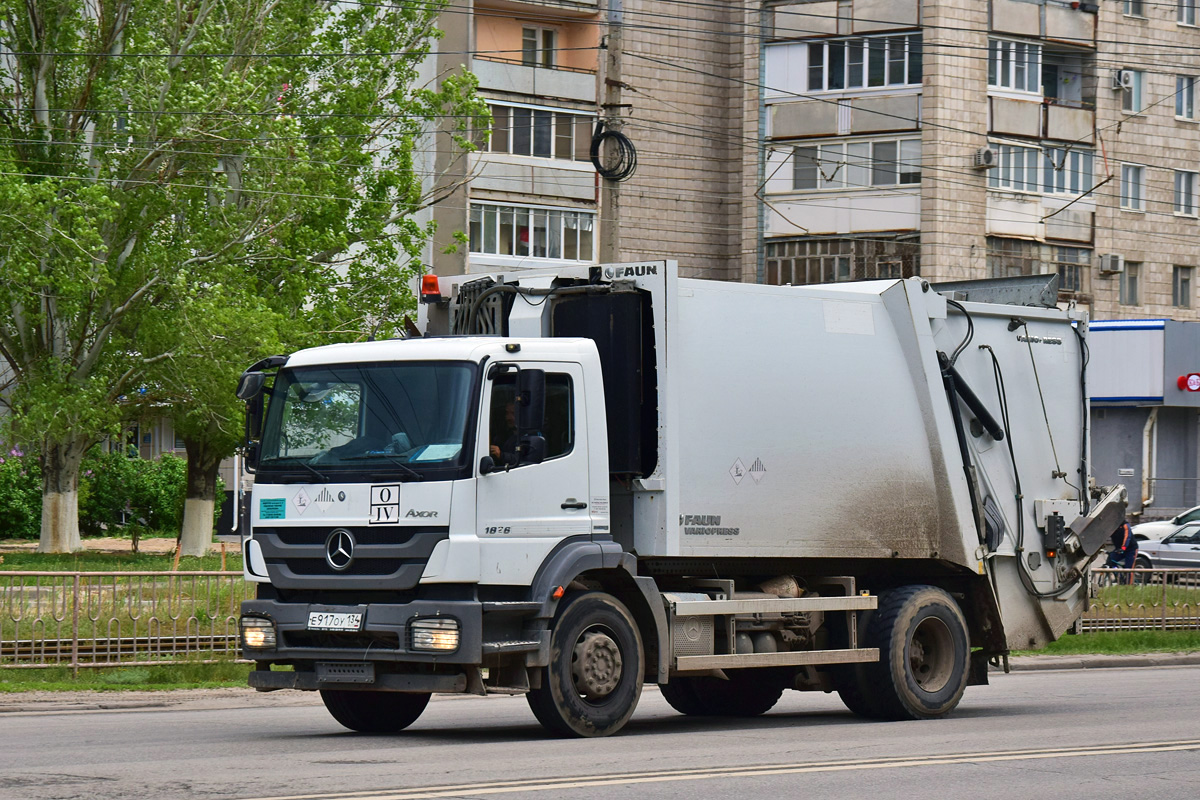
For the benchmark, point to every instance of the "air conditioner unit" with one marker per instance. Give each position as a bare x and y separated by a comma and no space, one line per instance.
984,158
1111,263
1123,79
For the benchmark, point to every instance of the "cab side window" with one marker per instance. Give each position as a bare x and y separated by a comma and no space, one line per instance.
560,415
559,427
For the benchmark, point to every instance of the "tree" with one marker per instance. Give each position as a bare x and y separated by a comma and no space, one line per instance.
158,158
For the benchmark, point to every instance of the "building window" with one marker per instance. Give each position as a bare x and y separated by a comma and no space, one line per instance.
1134,8
806,261
1133,187
533,232
1131,98
539,132
538,47
1181,287
1015,65
1071,263
834,65
1017,168
1129,284
1186,12
1185,192
1010,257
1185,97
856,165
1067,171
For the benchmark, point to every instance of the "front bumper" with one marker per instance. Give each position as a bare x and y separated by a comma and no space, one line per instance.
385,635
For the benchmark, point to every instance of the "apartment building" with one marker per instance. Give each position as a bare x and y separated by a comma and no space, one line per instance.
982,139
656,78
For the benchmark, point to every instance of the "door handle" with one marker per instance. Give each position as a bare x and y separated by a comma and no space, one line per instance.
572,503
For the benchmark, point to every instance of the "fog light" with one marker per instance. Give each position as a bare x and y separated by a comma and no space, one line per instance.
258,632
434,634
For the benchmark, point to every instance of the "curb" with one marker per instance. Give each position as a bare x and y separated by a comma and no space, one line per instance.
1033,663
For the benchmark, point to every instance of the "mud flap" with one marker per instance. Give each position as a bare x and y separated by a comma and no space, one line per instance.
977,672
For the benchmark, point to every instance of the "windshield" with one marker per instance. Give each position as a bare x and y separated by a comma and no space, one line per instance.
394,417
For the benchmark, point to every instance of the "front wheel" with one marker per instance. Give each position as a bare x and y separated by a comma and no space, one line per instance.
374,712
594,679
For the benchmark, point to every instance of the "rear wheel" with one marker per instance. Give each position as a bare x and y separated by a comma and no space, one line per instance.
745,694
923,657
594,679
374,712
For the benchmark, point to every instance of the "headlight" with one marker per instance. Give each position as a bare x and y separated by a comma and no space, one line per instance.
258,632
434,634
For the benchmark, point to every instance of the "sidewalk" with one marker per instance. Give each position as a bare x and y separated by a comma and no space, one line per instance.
114,544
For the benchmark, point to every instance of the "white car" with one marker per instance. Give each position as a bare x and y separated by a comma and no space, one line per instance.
1163,528
1177,550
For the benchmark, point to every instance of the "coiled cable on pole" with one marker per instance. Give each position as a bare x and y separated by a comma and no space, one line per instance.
626,162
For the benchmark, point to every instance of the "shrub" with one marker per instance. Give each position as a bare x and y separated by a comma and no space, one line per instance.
116,489
20,495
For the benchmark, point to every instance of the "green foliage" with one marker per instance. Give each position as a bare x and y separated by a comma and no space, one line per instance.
1123,643
175,206
185,675
20,495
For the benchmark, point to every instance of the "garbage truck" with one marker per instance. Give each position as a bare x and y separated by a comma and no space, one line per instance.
568,483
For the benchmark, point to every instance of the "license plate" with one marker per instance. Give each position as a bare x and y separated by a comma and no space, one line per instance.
334,621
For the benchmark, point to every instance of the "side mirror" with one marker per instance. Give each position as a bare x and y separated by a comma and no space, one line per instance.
251,385
254,415
531,400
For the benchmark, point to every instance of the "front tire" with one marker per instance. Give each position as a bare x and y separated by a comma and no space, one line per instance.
594,679
374,712
924,651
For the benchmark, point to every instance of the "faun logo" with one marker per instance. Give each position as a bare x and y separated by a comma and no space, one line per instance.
412,512
630,272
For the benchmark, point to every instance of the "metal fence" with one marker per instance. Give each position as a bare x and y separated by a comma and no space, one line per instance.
105,619
1142,599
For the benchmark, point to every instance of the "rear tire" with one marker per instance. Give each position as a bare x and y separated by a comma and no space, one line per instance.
374,712
745,694
924,651
594,679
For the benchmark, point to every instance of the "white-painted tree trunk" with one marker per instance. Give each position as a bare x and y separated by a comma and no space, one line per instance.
60,523
197,531
60,496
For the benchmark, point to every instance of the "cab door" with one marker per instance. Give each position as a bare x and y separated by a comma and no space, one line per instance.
523,511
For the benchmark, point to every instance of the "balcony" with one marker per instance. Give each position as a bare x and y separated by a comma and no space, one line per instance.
544,82
1042,119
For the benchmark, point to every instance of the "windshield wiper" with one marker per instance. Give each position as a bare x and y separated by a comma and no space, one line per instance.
275,462
403,467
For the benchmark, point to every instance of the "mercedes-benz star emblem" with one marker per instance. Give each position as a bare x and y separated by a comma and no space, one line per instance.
339,549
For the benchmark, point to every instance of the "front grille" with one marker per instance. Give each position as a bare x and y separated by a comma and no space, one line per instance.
345,641
360,566
367,536
385,558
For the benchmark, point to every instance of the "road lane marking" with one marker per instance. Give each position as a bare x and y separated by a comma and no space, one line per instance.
712,773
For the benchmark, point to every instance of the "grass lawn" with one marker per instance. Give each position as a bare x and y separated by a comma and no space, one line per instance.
115,562
1121,643
167,676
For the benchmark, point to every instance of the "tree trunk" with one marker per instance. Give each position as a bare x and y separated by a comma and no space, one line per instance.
202,465
60,496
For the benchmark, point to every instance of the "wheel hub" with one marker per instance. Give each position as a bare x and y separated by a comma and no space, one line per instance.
596,666
931,654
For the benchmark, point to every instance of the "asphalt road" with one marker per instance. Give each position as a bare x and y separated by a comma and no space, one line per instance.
1108,733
